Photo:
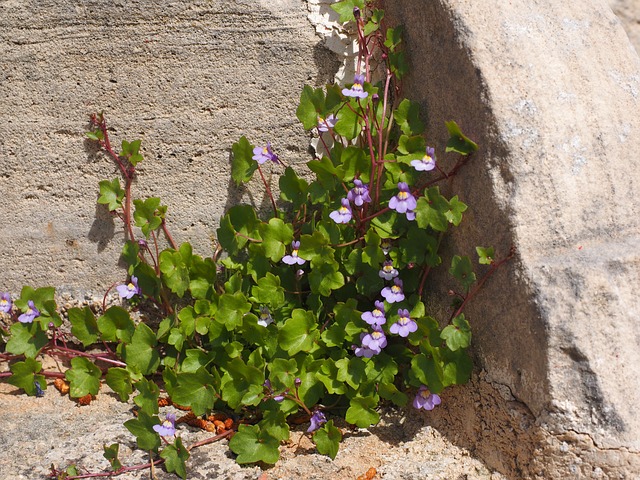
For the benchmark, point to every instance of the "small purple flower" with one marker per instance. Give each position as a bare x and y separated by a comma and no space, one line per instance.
393,294
375,341
265,318
425,399
404,326
168,427
359,194
324,124
39,391
403,200
376,316
294,258
411,215
427,163
388,272
317,420
130,289
356,89
31,313
343,214
385,245
5,302
263,154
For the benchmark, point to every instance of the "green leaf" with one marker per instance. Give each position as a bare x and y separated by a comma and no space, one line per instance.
147,398
327,439
119,381
175,270
298,333
141,354
328,375
142,428
111,194
116,324
131,151
130,256
27,339
425,371
407,117
240,219
361,412
231,309
374,22
349,123
398,63
194,390
148,214
311,105
351,370
111,454
325,278
390,392
175,457
268,292
412,145
345,9
253,445
457,335
243,165
293,188
431,210
458,142
275,236
355,163
95,135
393,38
84,325
274,423
454,214
462,270
84,377
485,255
24,375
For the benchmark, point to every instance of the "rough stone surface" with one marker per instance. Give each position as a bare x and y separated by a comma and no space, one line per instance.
628,11
188,78
551,92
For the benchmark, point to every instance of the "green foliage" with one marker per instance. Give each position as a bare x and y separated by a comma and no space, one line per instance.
265,327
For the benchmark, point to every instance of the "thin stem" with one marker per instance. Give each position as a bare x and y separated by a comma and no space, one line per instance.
266,186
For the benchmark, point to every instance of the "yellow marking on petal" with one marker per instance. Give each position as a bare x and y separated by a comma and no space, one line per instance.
402,195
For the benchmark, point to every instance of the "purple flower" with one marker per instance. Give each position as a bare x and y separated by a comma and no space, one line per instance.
265,316
393,294
5,302
324,124
130,289
293,258
317,420
427,163
404,326
31,313
375,341
403,200
359,194
388,272
425,399
168,427
376,316
411,215
356,89
343,214
262,154
385,245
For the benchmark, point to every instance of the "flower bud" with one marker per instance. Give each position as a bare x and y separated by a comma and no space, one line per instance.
298,382
356,13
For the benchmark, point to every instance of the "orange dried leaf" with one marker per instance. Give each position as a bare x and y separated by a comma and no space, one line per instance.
86,400
369,475
61,385
228,423
164,402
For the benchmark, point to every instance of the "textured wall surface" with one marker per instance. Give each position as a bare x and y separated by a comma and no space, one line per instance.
188,78
551,93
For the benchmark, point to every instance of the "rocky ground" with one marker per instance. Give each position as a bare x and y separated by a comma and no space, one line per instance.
38,432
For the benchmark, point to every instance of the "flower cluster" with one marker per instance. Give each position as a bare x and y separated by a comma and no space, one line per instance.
358,195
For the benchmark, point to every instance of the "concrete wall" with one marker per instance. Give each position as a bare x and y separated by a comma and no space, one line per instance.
549,91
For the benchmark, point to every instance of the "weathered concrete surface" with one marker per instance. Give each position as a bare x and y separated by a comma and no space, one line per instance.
188,78
550,90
